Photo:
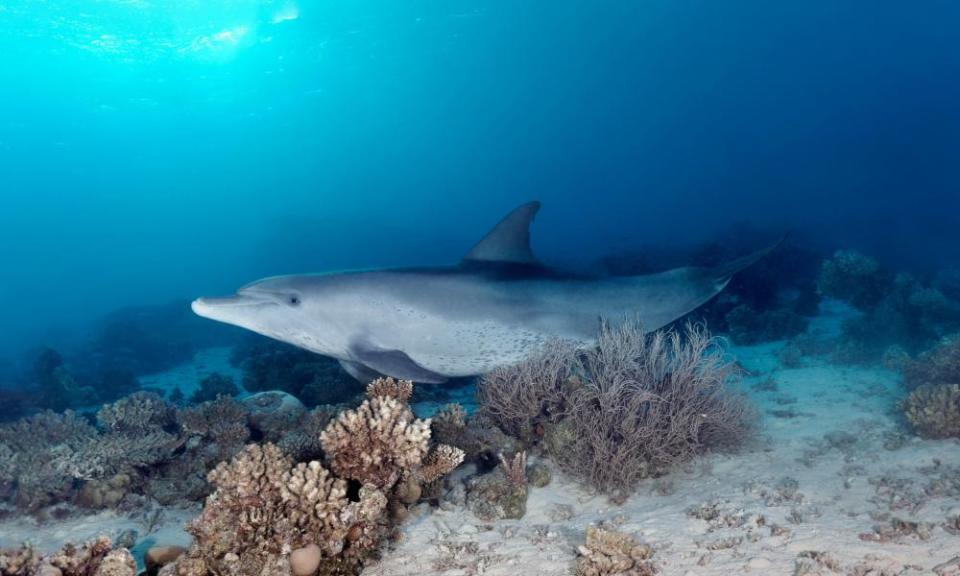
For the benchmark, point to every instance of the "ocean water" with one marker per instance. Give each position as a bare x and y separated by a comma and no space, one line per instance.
152,152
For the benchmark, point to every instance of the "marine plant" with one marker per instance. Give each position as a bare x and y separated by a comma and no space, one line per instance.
630,408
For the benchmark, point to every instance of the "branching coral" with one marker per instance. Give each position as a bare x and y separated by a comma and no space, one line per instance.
934,410
243,526
400,390
608,553
630,408
440,462
221,423
515,468
95,558
44,444
138,413
378,441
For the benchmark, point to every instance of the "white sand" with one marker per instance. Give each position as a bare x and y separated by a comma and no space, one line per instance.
838,500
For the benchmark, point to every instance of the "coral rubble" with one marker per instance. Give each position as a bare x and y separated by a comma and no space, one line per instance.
608,553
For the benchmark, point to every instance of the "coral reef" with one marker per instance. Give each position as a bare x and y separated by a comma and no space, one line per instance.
631,408
747,326
853,277
378,441
934,410
502,493
42,446
212,386
608,553
780,289
95,558
895,309
272,414
58,389
269,516
146,339
313,379
938,366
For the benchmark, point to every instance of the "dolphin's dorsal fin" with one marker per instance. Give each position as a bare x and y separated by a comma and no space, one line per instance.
509,241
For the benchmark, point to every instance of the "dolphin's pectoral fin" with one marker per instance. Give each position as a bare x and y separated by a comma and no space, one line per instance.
509,241
360,372
394,363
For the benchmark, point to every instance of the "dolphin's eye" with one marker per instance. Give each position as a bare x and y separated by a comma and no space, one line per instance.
294,300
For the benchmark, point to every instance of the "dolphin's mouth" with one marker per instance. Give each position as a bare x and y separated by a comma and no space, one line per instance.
214,308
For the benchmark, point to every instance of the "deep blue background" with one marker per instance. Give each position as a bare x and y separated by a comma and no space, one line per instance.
158,149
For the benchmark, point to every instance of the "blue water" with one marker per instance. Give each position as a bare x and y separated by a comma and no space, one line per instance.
152,150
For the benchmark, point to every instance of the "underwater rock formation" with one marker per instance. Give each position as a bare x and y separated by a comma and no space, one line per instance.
502,493
58,389
608,553
629,409
313,379
748,326
213,386
896,309
272,414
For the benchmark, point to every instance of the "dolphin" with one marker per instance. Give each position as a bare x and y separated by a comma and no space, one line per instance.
496,307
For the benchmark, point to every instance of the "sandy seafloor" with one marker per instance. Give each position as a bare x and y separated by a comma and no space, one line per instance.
826,482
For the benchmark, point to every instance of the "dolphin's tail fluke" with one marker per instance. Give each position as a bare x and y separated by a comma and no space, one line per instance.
721,274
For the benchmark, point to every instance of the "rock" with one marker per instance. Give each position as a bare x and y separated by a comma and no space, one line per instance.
273,413
126,539
117,562
493,497
758,563
409,491
538,475
305,561
159,556
48,570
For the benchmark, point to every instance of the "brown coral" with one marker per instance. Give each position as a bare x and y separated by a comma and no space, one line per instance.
243,526
934,410
515,469
608,553
377,442
137,413
401,390
440,462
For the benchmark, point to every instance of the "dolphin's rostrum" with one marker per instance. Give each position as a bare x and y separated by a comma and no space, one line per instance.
494,308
